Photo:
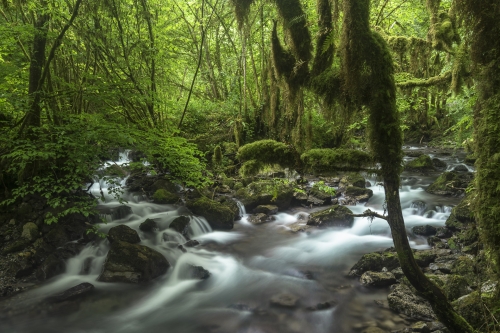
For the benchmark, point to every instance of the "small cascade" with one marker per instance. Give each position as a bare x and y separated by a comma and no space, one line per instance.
241,208
198,226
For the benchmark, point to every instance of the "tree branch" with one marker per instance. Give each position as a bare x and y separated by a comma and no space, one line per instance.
370,214
432,81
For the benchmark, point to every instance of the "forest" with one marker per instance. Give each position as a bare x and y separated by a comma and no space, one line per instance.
250,166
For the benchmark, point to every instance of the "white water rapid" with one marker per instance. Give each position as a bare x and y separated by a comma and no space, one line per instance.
248,266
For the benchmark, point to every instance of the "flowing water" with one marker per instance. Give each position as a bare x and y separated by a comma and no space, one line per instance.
248,265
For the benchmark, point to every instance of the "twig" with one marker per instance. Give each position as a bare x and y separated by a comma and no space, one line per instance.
370,214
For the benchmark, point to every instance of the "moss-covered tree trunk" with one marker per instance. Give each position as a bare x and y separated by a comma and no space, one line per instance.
483,18
366,58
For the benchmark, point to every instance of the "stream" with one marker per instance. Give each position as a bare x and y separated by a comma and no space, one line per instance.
248,266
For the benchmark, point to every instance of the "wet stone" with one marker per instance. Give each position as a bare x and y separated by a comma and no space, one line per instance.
191,243
123,233
424,230
377,279
72,293
284,300
322,306
266,209
148,226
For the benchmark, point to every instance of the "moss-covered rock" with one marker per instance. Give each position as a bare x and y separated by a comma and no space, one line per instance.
123,233
358,193
162,196
336,216
424,230
15,246
132,263
438,164
218,215
266,209
352,179
471,308
115,170
148,226
455,287
266,192
232,205
265,152
377,279
320,160
450,184
30,231
464,266
421,164
403,300
374,262
425,257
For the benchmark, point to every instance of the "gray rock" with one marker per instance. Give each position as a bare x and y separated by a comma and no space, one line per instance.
181,225
148,226
121,212
461,168
402,300
258,218
132,263
377,279
437,163
266,209
284,300
72,293
123,233
424,230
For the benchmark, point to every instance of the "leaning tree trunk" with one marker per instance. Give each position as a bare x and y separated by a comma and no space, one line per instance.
430,291
363,48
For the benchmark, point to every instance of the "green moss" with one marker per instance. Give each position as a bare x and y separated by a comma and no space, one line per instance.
450,184
218,215
265,152
455,287
241,9
420,164
336,216
163,196
217,156
238,186
276,192
337,159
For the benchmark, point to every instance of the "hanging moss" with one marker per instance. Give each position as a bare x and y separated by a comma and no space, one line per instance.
337,159
323,58
217,156
241,9
328,85
284,60
295,23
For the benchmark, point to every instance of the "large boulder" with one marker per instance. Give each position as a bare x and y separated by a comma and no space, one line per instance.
132,263
148,226
219,216
336,216
358,193
123,233
450,184
318,197
266,192
352,179
374,262
120,212
403,300
421,164
162,196
232,205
